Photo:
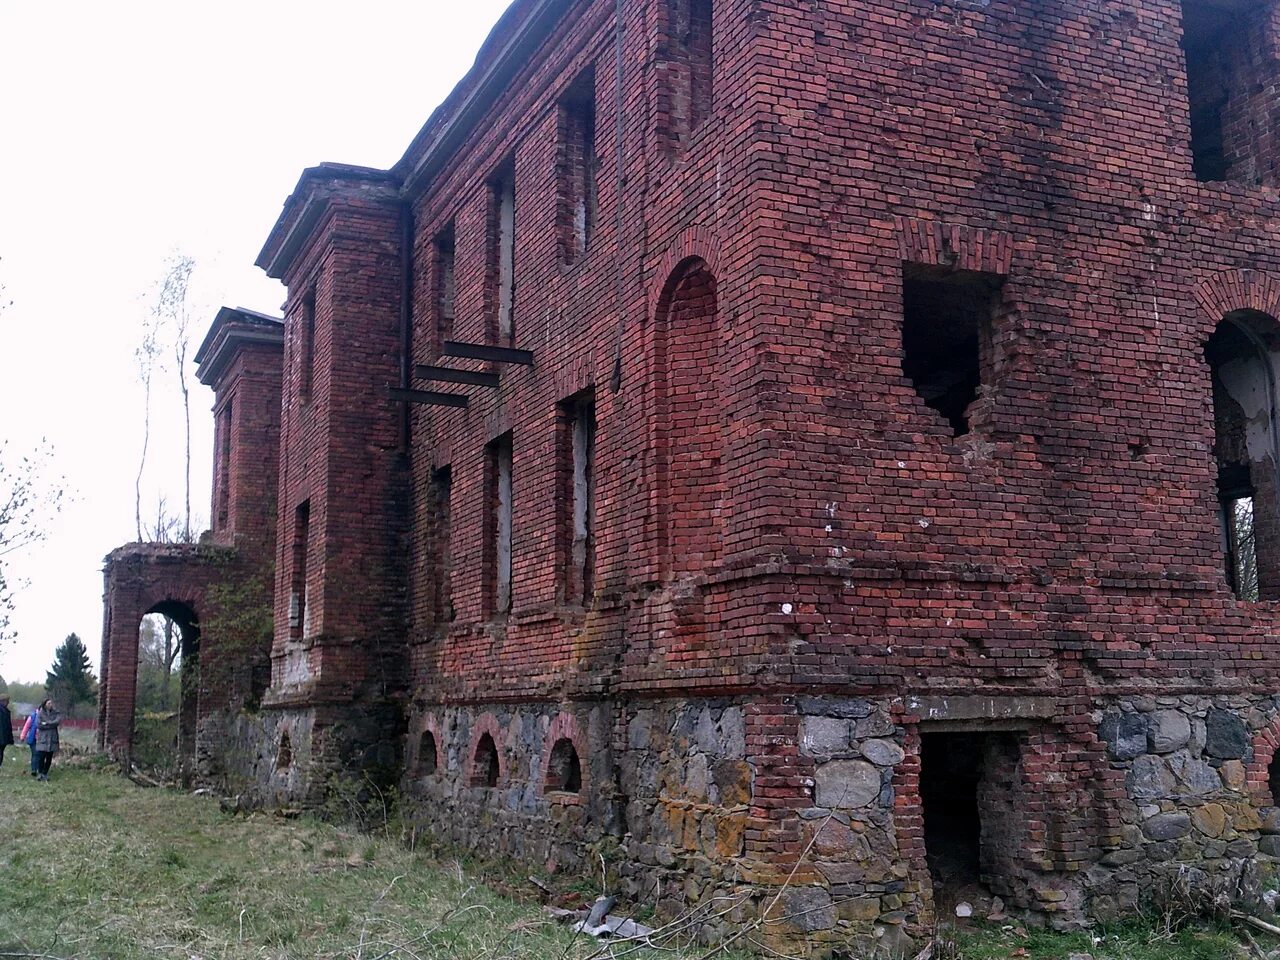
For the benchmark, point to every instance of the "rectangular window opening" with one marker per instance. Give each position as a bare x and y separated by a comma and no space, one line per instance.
578,195
1240,543
947,337
578,498
444,296
1205,32
301,549
224,464
498,455
503,252
970,794
441,494
308,359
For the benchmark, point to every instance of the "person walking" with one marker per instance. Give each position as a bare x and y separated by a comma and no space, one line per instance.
6,726
28,736
47,743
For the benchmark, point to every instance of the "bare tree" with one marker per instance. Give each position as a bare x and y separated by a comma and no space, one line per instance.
176,315
28,500
147,354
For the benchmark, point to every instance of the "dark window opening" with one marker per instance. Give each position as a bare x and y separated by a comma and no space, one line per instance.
502,251
578,192
1231,77
498,483
1243,450
484,766
307,372
445,286
284,755
689,67
1273,779
947,323
564,770
301,548
225,423
578,497
427,758
441,526
970,786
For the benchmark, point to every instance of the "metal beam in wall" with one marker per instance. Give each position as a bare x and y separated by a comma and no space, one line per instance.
432,397
449,375
482,351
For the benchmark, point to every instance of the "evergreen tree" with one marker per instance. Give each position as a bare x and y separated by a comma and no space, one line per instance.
70,681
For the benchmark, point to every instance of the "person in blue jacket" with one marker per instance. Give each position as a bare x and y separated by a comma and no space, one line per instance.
29,738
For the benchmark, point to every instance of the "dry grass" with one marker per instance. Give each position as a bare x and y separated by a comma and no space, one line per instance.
99,868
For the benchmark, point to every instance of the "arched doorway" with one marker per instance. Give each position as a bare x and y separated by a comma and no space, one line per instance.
167,685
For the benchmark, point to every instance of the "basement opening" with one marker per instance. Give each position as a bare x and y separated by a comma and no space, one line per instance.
564,771
947,321
427,759
484,766
970,795
284,756
1273,778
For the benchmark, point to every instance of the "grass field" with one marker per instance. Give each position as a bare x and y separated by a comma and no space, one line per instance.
97,868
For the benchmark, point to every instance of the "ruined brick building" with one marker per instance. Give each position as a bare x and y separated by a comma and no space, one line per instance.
832,439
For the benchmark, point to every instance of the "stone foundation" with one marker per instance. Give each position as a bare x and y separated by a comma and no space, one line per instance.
681,799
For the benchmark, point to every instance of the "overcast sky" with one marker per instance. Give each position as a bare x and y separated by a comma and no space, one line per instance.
134,130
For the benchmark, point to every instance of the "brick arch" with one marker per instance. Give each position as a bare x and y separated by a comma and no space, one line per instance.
1233,290
696,242
1258,772
564,727
140,579
485,723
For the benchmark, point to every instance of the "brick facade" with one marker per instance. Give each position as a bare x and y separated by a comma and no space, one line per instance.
913,470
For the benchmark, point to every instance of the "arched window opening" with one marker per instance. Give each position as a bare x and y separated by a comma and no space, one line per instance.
427,758
1273,778
1244,448
564,770
693,419
484,766
284,755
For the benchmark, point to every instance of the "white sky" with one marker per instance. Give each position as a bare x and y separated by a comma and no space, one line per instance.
133,130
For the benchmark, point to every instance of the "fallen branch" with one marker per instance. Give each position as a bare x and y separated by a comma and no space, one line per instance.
1257,924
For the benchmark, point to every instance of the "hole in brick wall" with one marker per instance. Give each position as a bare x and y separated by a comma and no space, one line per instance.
440,525
502,251
1273,779
299,556
970,795
947,321
577,495
284,755
564,770
484,765
427,756
224,427
1239,355
1228,89
499,518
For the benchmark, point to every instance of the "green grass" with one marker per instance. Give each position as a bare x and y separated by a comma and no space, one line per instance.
97,868
1131,941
